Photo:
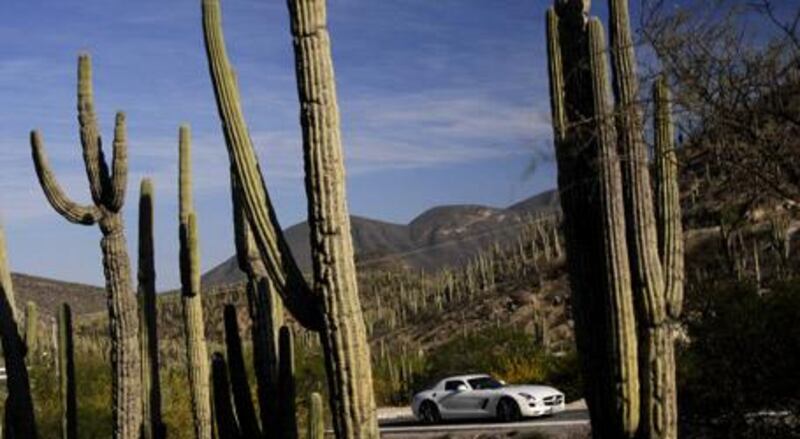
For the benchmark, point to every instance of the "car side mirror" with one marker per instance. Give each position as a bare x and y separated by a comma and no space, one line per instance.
461,388
503,382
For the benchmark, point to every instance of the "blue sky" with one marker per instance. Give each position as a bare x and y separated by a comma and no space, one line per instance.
443,102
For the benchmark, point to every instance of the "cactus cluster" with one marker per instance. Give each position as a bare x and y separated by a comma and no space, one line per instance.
625,254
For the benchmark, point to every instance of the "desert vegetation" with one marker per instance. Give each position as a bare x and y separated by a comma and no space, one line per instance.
664,291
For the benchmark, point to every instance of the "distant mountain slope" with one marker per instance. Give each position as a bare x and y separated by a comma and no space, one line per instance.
440,236
49,294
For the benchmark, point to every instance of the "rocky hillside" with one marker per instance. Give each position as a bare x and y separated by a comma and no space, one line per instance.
439,237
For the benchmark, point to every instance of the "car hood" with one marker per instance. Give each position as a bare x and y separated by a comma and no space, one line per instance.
537,391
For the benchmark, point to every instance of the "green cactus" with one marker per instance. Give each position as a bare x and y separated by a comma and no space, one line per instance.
108,195
20,421
265,310
316,419
66,374
194,326
152,426
287,413
224,416
31,328
590,183
343,333
242,399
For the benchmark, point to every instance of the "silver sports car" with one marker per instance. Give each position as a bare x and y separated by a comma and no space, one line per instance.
481,396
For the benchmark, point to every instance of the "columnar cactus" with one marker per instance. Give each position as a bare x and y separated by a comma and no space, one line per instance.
265,309
19,421
333,306
152,426
107,187
590,191
31,328
316,419
194,326
653,247
287,413
224,417
243,401
66,374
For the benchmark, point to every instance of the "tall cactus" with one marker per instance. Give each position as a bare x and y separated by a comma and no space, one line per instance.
590,191
316,419
653,248
66,374
107,187
333,306
242,399
20,421
194,326
152,426
266,313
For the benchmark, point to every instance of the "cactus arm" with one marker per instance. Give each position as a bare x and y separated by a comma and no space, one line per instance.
282,268
668,207
70,210
93,158
224,416
287,411
66,374
119,179
556,76
240,388
19,411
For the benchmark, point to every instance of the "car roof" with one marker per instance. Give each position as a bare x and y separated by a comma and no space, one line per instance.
465,377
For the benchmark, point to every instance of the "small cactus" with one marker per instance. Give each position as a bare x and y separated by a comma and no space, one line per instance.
243,401
31,328
287,413
316,419
224,416
66,374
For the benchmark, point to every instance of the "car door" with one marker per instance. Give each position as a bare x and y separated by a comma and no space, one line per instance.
454,404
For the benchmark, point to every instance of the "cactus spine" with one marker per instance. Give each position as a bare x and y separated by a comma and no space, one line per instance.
152,426
344,338
590,187
243,401
343,334
196,351
316,419
31,328
265,312
225,419
19,421
287,415
108,195
66,374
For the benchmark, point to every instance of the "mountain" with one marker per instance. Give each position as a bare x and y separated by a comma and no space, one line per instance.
48,294
440,236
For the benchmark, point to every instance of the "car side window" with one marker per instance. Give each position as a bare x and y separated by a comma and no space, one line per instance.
453,385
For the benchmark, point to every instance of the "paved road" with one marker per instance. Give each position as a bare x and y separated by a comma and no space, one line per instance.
563,424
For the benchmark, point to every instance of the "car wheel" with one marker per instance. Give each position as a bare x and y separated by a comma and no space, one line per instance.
508,410
429,413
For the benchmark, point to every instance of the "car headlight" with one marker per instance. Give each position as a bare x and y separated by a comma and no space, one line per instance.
528,396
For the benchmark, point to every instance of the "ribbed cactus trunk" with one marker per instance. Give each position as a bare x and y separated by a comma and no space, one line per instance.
152,426
66,374
242,399
108,195
225,419
590,190
316,418
671,251
344,337
287,413
19,422
194,325
266,313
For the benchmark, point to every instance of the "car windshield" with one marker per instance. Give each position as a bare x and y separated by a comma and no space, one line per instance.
485,383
